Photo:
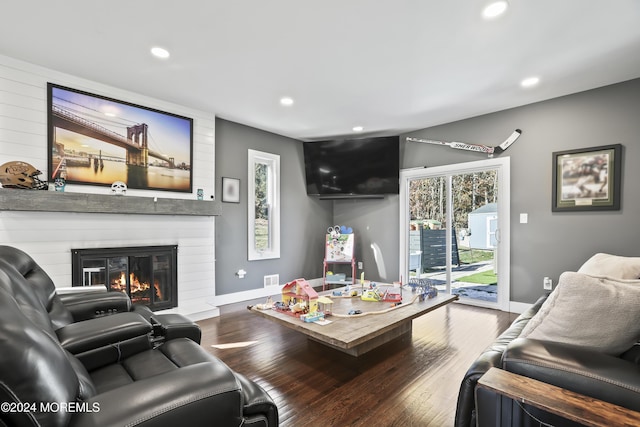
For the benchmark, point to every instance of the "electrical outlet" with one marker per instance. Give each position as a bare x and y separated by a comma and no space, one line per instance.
359,265
547,284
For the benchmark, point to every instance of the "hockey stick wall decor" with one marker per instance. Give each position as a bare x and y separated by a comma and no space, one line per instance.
473,147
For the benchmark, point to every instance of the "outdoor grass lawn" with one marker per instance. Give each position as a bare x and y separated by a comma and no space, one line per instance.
469,256
483,278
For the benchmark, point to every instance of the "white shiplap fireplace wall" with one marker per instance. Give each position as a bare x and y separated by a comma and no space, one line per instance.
49,236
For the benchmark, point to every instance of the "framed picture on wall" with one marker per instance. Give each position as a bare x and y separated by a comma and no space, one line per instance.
587,179
230,190
95,140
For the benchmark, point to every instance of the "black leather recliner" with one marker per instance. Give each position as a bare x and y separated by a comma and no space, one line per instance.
65,310
491,357
600,376
130,381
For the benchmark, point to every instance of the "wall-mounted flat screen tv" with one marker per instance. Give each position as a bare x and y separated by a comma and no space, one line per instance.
353,167
95,140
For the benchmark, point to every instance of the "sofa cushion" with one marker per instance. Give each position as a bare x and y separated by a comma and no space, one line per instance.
598,313
614,266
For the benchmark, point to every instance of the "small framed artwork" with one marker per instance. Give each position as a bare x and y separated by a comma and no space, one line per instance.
230,190
587,179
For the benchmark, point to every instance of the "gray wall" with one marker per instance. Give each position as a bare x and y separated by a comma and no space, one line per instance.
304,220
374,222
548,245
551,242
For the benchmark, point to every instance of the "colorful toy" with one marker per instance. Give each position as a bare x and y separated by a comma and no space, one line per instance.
392,296
423,288
299,307
268,304
312,317
300,298
347,292
325,305
370,295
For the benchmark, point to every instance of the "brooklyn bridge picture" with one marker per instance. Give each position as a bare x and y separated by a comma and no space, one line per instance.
95,140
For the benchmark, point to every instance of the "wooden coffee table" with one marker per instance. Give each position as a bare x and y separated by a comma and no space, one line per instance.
358,334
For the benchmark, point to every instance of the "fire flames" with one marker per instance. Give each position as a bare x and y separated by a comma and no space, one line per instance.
139,291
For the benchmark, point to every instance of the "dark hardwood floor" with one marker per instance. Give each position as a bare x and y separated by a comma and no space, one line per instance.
406,382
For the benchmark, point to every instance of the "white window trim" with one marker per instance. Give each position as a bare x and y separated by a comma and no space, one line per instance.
503,166
273,162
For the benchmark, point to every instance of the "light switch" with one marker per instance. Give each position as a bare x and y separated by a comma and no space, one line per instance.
524,218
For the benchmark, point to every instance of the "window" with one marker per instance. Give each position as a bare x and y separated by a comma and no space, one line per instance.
263,205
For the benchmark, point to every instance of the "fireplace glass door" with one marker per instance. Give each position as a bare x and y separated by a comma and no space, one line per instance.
148,275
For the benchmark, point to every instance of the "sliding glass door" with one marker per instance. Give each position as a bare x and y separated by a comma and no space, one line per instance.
454,230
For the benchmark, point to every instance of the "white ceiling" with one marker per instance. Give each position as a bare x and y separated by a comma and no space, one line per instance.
390,66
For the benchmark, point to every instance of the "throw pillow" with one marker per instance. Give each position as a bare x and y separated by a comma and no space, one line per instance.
598,313
615,266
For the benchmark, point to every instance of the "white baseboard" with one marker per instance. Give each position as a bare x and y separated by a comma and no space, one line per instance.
247,295
518,307
201,315
257,293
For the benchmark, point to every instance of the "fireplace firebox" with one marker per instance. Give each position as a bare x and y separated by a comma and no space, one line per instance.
148,274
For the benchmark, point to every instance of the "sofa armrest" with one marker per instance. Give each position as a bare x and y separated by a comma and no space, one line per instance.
203,394
88,305
465,407
571,367
490,358
102,331
65,290
503,397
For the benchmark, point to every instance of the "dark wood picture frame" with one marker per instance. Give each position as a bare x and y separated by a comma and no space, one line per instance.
230,190
587,179
96,140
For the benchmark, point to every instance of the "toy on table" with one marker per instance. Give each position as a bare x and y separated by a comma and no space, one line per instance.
312,317
392,296
299,297
423,288
345,293
268,304
370,295
325,305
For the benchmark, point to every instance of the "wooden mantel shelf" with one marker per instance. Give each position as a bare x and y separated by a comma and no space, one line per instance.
51,201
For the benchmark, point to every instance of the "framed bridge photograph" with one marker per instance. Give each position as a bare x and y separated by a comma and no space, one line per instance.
95,140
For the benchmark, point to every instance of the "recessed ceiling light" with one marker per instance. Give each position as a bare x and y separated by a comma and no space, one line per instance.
160,52
286,101
530,82
495,9
358,128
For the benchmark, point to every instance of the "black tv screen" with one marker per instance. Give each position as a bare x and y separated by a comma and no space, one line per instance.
353,167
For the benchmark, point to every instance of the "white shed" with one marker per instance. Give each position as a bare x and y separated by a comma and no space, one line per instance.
483,223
